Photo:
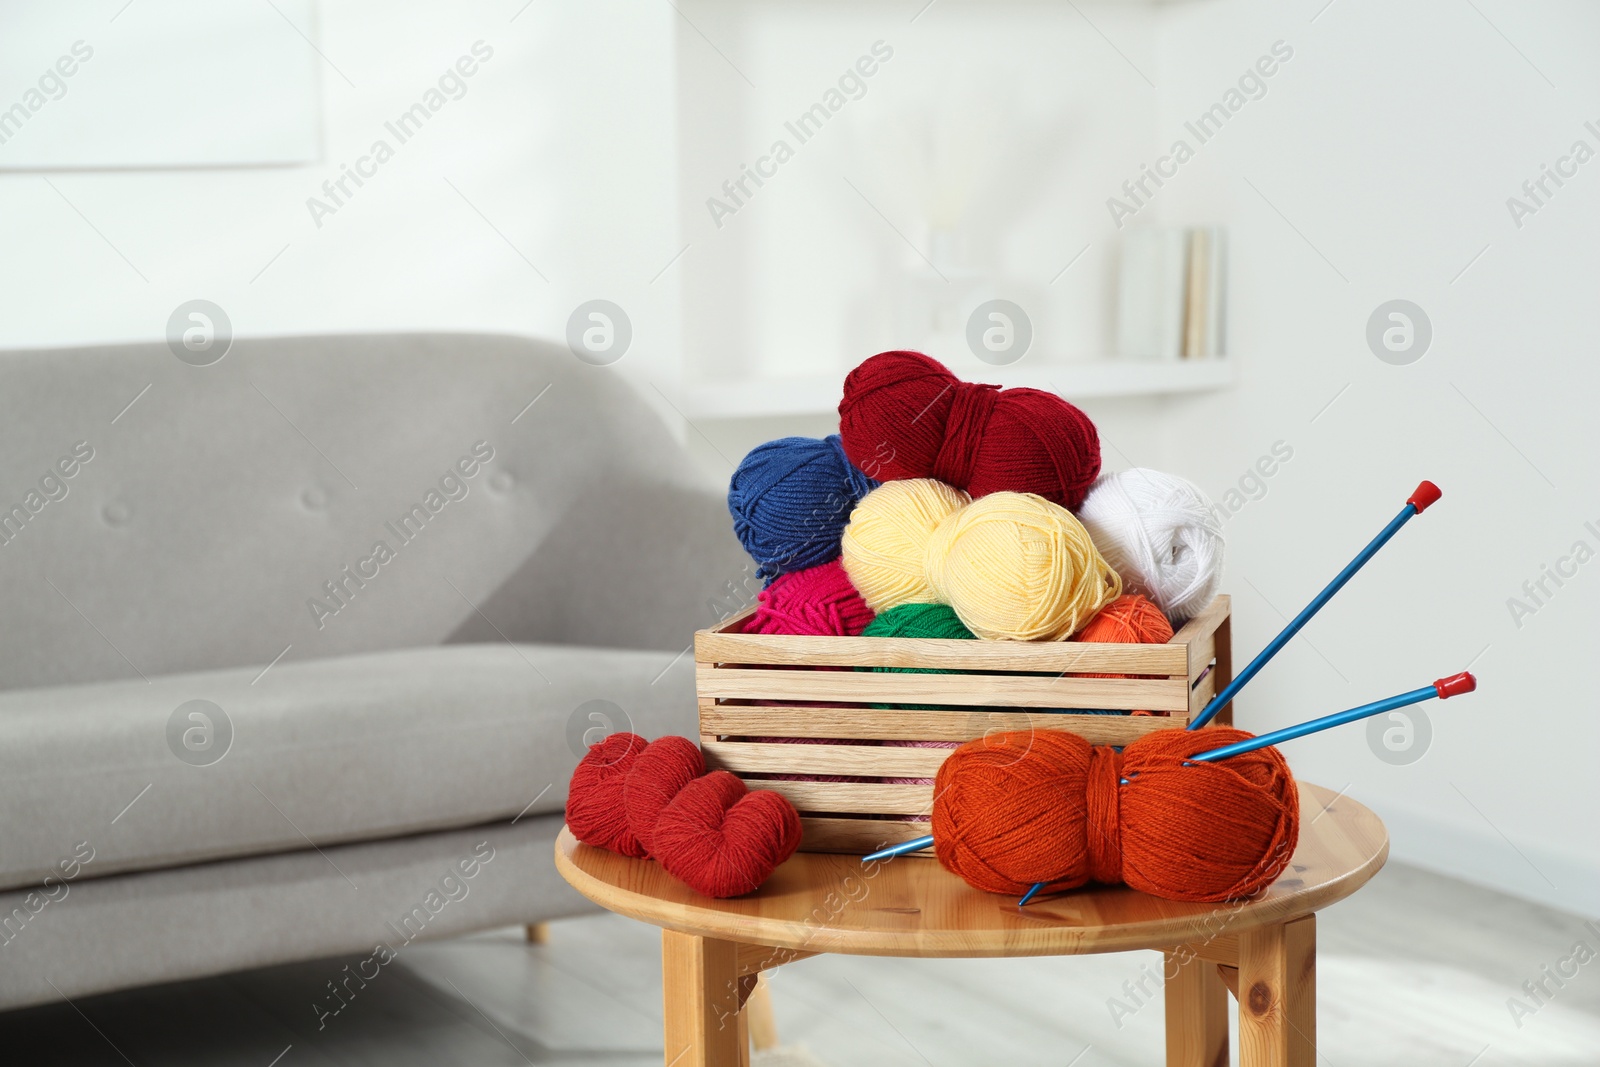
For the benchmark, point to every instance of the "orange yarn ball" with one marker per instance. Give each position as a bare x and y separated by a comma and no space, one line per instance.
1128,620
1046,806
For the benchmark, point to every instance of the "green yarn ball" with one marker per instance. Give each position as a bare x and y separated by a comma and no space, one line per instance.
917,620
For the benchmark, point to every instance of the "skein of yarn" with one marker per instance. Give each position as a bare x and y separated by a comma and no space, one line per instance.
904,415
1014,809
790,500
1130,620
709,831
1161,533
1017,567
818,600
885,543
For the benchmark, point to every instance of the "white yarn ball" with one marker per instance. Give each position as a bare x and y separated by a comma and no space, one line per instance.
1161,534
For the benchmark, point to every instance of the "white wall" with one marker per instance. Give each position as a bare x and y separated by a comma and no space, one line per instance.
564,140
1390,142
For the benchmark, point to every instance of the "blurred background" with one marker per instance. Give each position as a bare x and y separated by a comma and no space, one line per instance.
1396,152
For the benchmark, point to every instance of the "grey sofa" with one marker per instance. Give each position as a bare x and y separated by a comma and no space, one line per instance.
236,731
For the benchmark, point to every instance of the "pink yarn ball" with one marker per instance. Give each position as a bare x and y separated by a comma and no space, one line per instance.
818,601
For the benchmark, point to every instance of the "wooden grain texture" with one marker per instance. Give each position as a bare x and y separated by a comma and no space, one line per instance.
758,1011
1278,994
746,757
1046,657
873,798
992,690
700,1000
1202,693
1223,670
858,836
1204,623
818,902
756,958
1196,1012
776,720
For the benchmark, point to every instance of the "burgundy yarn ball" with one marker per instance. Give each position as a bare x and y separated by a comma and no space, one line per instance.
904,415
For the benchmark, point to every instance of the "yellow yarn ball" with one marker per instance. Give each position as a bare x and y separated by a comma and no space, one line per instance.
884,547
1016,567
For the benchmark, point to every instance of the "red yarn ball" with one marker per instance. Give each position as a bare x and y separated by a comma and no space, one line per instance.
723,840
904,415
596,814
818,601
658,774
1044,806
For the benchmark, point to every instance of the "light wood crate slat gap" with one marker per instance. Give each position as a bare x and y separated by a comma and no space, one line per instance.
858,836
1053,657
868,761
1122,694
870,798
756,720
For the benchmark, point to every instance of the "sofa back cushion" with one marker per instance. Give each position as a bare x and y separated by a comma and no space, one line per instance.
320,495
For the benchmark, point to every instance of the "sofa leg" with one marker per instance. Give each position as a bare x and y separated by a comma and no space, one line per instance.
538,933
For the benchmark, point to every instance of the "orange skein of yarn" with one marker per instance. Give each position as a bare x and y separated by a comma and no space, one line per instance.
1018,808
1130,620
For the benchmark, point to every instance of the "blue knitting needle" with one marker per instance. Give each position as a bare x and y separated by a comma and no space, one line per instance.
1426,493
1444,689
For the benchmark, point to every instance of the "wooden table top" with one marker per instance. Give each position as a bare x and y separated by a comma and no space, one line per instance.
818,902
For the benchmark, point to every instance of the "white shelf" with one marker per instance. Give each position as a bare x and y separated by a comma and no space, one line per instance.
1085,380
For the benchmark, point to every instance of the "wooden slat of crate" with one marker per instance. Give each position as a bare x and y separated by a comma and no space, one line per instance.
774,720
858,836
1198,635
1202,693
746,757
1123,694
868,797
1055,657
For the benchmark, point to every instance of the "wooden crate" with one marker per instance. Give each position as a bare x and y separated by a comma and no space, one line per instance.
763,686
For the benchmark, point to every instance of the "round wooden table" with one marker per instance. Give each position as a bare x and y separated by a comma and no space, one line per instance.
1262,950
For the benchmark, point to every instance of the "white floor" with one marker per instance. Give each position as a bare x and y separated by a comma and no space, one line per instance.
1413,971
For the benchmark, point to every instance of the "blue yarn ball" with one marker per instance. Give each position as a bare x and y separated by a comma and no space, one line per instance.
791,499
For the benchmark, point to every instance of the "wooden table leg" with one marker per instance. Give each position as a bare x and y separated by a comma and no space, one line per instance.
1278,995
700,990
1197,1011
763,1029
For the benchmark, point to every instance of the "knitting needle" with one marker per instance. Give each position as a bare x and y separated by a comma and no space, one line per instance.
1444,689
1424,495
1421,498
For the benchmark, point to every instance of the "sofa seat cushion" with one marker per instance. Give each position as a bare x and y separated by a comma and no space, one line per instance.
312,753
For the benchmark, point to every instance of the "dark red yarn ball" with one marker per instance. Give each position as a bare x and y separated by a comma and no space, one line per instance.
659,773
722,839
596,814
904,415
